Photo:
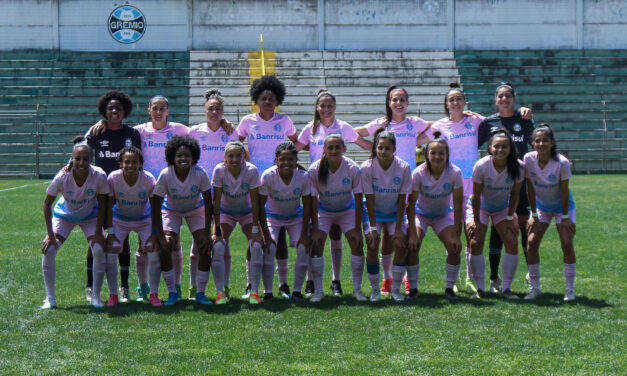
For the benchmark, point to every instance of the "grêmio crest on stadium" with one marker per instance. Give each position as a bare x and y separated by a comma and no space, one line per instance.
127,24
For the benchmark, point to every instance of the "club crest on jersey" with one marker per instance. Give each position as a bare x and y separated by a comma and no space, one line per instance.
446,187
141,195
90,192
128,142
517,127
277,127
203,138
508,180
346,181
488,180
245,186
320,142
70,193
397,180
374,180
468,125
149,136
225,138
410,126
533,174
552,178
169,135
173,190
104,143
194,188
119,194
297,191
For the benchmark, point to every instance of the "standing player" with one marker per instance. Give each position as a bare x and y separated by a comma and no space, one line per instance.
235,185
409,132
312,138
187,192
129,210
496,178
283,187
520,129
434,184
84,189
212,137
114,106
264,131
336,200
386,182
547,174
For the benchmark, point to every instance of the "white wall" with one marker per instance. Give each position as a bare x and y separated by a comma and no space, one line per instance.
181,25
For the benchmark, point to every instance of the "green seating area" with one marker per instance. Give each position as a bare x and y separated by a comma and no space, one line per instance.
66,86
577,92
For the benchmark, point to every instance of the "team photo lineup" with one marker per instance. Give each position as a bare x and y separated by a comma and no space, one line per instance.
150,178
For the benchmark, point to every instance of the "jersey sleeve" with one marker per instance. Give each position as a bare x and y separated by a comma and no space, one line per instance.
415,180
349,133
56,185
356,179
477,173
264,188
373,126
406,181
161,185
304,135
290,129
111,183
205,183
242,128
102,186
366,180
526,161
306,185
483,132
458,181
253,177
217,176
313,179
565,172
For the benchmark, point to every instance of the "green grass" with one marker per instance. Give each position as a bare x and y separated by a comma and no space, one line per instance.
337,336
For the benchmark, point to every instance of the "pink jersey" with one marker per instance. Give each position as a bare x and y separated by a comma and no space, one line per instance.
211,145
463,141
546,181
235,196
497,186
434,195
386,185
264,136
316,142
153,144
337,194
284,200
78,203
182,196
131,203
406,133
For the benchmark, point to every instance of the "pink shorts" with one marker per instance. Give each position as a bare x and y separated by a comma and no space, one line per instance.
484,216
63,227
545,217
142,227
232,220
292,226
438,223
345,219
173,220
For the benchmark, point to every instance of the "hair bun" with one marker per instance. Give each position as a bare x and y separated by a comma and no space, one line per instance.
453,85
78,139
437,134
212,92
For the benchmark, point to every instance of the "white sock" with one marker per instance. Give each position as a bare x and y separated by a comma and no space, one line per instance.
477,268
100,264
569,273
227,265
141,266
373,275
154,272
317,266
467,254
217,266
193,264
510,263
300,267
201,280
534,275
256,265
168,278
336,258
267,270
386,265
452,275
357,268
282,269
412,275
398,271
49,269
177,263
112,273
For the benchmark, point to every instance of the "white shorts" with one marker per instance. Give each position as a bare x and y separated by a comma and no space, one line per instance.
345,219
545,217
438,223
195,219
292,226
63,227
142,227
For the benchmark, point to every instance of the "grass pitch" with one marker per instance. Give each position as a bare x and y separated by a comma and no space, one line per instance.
336,336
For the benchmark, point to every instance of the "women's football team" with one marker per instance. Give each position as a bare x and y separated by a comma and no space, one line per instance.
206,176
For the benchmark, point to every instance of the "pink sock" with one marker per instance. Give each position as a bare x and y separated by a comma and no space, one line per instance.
569,273
201,280
193,264
177,263
386,265
477,270
357,268
154,272
227,265
452,275
168,278
412,275
534,275
300,267
510,263
256,266
467,254
317,265
282,268
112,272
336,258
141,266
398,271
267,270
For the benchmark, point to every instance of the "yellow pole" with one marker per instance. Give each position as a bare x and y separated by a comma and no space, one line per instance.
263,63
